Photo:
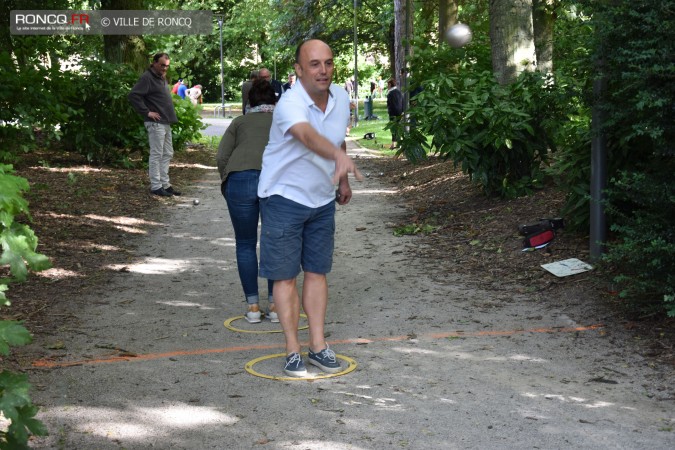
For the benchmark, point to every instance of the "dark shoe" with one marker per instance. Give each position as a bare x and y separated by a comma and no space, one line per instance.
172,191
162,192
325,360
294,366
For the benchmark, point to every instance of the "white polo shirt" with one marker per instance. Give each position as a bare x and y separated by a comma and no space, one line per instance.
289,168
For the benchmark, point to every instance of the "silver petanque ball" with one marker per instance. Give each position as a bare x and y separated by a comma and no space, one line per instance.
458,35
367,174
195,202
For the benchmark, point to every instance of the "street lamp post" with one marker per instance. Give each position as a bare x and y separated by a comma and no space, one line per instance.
222,85
356,71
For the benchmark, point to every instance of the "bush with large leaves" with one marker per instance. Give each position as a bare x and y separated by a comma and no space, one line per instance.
18,244
499,135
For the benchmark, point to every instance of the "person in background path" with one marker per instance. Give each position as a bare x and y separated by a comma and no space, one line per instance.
265,74
174,89
194,94
151,98
182,89
394,108
245,88
239,161
349,87
304,159
291,81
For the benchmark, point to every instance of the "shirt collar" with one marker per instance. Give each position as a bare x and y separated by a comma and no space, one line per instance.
308,100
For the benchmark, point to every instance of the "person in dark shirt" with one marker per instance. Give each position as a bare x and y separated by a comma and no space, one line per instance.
290,83
394,108
265,74
151,98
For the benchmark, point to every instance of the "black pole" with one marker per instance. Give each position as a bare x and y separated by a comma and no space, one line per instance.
598,231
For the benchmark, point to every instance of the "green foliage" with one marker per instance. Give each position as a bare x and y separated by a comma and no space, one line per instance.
631,45
570,166
332,21
18,251
635,51
642,206
97,97
189,125
414,228
16,406
17,240
12,334
28,103
499,135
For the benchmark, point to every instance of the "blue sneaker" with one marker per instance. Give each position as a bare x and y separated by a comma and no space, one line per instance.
294,366
325,360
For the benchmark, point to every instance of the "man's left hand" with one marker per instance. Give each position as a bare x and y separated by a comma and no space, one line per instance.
344,193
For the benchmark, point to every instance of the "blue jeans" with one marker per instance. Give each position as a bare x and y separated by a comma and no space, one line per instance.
241,194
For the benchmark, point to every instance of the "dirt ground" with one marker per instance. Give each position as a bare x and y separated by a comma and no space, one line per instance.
95,224
74,207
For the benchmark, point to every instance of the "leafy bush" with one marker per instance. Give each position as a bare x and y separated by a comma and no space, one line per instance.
499,135
189,125
570,166
104,127
636,48
28,102
18,244
642,206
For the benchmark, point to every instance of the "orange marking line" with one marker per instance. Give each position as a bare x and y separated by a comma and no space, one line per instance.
42,363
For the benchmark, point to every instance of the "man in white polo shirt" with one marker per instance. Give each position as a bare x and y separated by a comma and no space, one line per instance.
304,159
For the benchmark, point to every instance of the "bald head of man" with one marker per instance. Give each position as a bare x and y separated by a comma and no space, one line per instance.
314,66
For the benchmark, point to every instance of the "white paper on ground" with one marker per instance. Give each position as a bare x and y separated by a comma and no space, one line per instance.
567,267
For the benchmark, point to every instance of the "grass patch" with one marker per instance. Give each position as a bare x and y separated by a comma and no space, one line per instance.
382,139
211,142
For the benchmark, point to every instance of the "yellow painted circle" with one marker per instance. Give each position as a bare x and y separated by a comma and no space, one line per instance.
351,366
228,325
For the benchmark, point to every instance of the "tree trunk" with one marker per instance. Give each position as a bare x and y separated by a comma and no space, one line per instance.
447,17
391,48
399,40
543,19
512,38
121,49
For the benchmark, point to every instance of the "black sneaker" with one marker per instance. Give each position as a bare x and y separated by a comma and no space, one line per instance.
325,360
172,191
162,192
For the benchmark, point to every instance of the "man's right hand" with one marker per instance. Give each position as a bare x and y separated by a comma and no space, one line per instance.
154,116
344,165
